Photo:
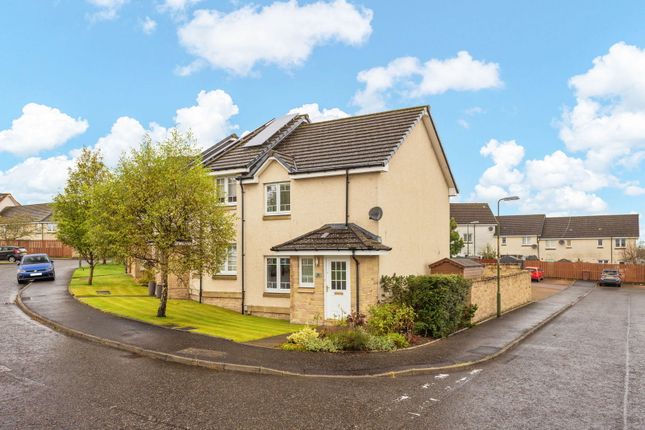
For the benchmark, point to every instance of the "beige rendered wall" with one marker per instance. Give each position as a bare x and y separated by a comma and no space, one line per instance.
416,212
482,236
514,246
586,250
515,291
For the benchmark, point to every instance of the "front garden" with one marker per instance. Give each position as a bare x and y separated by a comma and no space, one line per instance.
415,309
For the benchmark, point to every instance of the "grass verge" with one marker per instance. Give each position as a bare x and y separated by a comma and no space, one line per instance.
206,319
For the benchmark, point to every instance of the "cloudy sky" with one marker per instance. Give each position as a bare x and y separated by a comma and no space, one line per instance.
545,100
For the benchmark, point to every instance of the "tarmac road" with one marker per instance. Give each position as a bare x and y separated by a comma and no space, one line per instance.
584,370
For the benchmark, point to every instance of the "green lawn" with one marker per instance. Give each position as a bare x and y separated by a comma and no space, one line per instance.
207,319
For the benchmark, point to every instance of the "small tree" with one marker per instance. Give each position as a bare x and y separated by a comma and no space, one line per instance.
13,228
72,208
166,211
489,252
634,253
456,241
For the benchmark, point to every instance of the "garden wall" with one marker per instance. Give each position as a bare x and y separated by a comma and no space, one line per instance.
515,289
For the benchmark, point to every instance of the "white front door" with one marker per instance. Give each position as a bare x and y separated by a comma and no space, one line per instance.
338,303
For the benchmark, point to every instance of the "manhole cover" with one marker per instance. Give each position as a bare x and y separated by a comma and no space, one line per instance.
104,292
486,350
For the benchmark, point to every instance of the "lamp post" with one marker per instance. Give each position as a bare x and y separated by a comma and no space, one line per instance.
473,223
499,294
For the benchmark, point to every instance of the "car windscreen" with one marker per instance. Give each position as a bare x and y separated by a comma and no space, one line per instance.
35,259
610,272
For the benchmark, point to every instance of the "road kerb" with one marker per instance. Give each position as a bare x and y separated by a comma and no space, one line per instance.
244,368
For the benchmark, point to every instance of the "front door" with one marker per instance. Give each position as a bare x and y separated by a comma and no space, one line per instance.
338,302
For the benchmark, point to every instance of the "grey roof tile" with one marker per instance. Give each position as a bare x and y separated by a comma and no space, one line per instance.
334,237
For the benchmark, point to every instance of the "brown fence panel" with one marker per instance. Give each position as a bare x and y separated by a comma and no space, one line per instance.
589,271
53,248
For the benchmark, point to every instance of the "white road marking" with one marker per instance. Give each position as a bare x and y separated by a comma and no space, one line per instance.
415,414
402,398
441,376
433,399
462,380
425,386
4,368
626,393
475,371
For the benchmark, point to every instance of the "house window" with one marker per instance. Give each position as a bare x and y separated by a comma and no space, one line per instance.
620,242
51,228
603,261
526,240
278,198
503,241
307,272
550,244
226,190
278,274
599,243
568,243
229,266
468,237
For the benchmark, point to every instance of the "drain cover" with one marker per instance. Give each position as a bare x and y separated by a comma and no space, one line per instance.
104,292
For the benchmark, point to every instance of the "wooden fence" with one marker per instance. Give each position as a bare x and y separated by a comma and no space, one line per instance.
588,271
53,248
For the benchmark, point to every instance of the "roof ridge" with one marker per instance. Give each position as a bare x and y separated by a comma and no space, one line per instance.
352,117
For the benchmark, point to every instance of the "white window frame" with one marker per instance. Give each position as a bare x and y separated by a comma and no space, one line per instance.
468,237
278,201
503,241
304,284
618,241
224,196
279,282
568,243
599,243
225,268
526,240
549,244
51,227
603,261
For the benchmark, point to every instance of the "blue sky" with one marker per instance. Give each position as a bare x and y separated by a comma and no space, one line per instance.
497,75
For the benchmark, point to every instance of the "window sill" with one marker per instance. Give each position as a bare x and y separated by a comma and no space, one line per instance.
284,295
307,290
276,217
229,207
225,277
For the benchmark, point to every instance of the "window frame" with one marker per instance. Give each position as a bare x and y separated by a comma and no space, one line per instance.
526,242
279,281
550,244
225,192
600,243
467,237
503,240
225,267
278,198
568,243
616,242
51,227
313,272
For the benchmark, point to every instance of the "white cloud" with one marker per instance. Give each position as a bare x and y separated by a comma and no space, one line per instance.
409,78
634,191
209,118
126,133
148,25
608,120
316,115
176,7
107,9
40,178
282,33
558,170
40,128
463,123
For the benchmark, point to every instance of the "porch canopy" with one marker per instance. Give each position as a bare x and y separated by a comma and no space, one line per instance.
334,239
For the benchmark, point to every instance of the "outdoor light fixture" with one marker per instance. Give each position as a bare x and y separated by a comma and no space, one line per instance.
499,294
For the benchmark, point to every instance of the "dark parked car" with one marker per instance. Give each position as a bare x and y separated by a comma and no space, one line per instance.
35,266
611,277
12,253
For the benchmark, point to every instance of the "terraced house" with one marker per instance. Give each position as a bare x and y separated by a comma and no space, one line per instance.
324,209
25,222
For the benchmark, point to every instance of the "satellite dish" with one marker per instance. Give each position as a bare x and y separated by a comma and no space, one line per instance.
376,213
491,228
561,241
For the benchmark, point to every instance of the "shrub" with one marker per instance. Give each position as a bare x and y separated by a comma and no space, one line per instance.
355,319
387,318
350,339
292,347
440,302
398,339
302,336
380,343
317,344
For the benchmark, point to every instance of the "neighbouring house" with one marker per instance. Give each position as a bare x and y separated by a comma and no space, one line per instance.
592,239
476,224
520,234
33,222
324,209
465,267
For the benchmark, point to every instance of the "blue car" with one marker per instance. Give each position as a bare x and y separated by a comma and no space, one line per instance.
35,266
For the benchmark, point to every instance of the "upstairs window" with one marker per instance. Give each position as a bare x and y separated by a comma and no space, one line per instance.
550,244
526,240
229,266
568,243
620,242
468,237
503,241
278,198
227,190
51,228
599,243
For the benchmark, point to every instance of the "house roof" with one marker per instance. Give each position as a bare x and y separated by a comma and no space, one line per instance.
41,212
521,225
465,213
591,226
303,147
334,237
459,262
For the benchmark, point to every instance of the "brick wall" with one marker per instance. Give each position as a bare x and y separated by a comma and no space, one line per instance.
515,290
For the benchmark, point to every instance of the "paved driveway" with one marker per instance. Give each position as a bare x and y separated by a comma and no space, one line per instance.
581,371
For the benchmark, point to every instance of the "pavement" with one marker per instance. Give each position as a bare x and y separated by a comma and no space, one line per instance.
52,305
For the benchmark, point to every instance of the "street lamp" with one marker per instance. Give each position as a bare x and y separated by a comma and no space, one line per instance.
474,236
499,294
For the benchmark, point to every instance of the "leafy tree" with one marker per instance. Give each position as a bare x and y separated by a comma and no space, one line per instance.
12,228
456,241
166,212
72,208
